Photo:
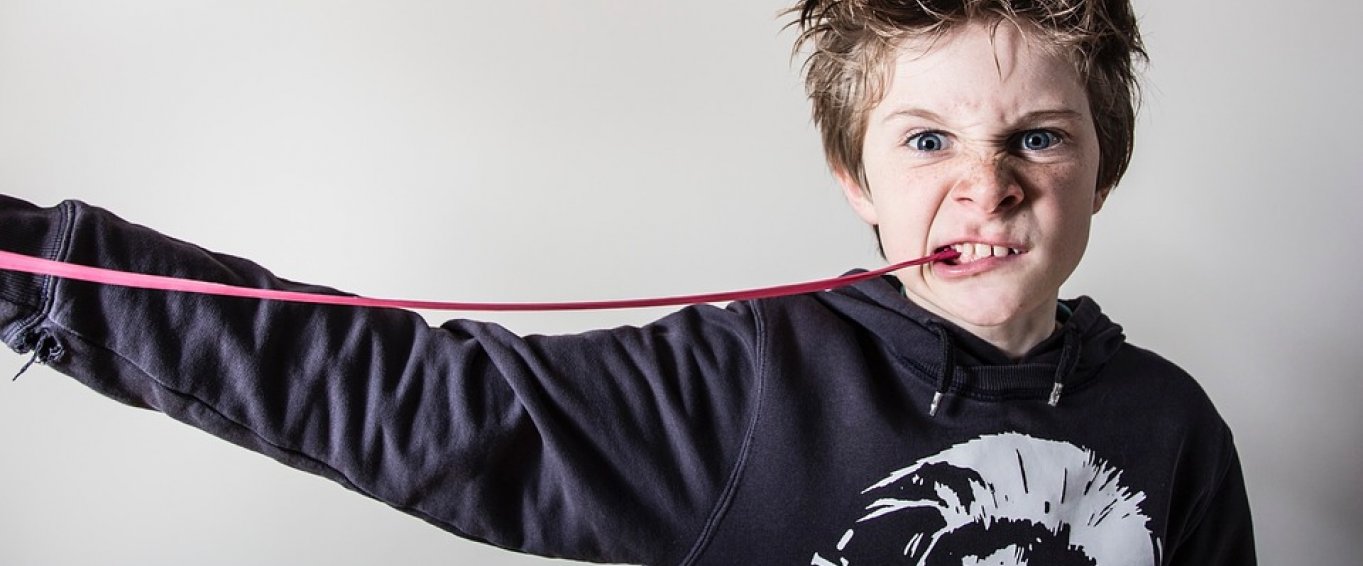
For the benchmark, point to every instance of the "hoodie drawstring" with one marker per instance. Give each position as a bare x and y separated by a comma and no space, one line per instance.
46,348
1069,357
948,373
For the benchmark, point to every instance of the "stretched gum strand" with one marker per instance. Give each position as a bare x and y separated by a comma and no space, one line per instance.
28,264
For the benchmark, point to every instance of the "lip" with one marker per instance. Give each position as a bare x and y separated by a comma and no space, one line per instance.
947,271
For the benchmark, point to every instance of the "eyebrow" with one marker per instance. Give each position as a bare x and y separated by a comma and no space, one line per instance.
1033,116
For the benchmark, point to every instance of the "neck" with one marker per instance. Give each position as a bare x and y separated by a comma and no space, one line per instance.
1018,339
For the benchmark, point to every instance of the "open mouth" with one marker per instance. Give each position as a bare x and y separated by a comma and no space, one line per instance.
973,251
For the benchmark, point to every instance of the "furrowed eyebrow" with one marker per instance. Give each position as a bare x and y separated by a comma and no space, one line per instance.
1040,115
915,112
1033,116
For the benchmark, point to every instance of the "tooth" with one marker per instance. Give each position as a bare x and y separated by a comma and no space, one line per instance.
984,250
965,250
1012,251
1000,251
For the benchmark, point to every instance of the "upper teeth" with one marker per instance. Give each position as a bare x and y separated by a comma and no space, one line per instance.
973,251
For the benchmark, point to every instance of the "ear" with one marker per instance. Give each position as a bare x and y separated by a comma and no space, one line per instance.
1100,196
857,196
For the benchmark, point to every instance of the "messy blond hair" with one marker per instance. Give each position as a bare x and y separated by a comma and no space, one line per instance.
851,45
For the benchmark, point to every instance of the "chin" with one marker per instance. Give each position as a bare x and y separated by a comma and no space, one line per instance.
981,308
987,315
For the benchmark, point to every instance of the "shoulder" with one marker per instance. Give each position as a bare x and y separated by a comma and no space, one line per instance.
1159,387
1150,367
783,315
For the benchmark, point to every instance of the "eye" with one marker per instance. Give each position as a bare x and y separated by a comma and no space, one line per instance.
928,141
1037,140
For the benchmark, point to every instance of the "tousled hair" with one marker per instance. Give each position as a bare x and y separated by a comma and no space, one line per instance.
851,45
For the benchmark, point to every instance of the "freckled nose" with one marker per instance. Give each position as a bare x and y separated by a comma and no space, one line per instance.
989,185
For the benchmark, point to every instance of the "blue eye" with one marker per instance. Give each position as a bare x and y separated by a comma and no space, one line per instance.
928,141
1037,140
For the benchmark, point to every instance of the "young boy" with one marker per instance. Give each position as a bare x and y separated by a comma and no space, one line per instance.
957,413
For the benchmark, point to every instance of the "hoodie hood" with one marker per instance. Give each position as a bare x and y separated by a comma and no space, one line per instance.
958,363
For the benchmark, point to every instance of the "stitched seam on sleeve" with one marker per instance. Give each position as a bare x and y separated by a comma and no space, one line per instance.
740,463
1195,524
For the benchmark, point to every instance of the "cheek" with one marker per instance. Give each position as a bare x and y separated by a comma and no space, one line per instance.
908,217
1071,220
910,195
1068,188
912,202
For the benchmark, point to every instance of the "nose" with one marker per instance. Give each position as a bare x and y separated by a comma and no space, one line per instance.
989,184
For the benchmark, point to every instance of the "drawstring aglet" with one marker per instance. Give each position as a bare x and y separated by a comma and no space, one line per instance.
1055,394
936,399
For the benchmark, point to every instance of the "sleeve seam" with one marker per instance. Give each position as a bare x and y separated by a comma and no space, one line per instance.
1228,449
721,506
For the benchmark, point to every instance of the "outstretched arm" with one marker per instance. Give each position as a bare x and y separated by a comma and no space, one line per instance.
610,445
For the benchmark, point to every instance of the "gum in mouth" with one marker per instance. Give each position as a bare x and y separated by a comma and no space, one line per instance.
972,252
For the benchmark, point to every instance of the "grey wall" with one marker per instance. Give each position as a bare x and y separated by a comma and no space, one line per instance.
592,149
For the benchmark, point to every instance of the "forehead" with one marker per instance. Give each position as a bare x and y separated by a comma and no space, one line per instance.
979,71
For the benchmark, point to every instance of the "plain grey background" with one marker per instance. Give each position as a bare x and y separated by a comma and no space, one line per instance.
554,149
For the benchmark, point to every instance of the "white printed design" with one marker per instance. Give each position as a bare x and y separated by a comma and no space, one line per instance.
1001,500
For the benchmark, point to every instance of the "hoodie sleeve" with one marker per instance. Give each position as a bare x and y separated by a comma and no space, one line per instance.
611,445
1224,535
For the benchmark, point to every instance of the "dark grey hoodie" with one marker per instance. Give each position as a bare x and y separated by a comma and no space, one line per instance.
838,428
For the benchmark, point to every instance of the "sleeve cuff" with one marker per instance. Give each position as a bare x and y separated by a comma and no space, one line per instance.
34,231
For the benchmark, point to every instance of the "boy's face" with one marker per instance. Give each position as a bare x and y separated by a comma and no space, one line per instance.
985,143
